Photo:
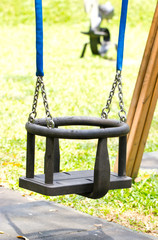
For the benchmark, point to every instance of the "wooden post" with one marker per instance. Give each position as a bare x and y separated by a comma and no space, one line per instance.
143,102
143,67
145,131
142,108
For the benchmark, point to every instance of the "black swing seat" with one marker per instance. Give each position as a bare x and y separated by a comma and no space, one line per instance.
90,183
99,40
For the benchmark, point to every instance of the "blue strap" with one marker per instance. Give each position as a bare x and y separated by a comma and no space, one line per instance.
120,48
39,38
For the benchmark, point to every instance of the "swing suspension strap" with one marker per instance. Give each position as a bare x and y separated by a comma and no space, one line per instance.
40,72
39,68
119,63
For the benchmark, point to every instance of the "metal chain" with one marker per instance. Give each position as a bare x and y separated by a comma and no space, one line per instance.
33,114
106,109
122,112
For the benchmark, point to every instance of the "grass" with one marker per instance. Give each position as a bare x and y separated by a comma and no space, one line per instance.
74,87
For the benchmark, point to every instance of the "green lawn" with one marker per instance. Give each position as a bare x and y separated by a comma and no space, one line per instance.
74,87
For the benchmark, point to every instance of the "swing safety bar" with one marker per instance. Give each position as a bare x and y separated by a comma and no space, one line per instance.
108,128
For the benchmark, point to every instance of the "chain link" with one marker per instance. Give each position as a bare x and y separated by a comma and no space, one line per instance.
106,109
33,114
122,112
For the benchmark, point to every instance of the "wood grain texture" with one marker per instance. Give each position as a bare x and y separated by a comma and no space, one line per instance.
142,103
142,109
143,67
145,130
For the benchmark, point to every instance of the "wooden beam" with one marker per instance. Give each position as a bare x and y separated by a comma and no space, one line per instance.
143,67
145,130
142,108
141,92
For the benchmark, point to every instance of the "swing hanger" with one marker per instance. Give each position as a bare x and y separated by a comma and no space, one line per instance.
106,109
40,72
33,114
119,64
39,69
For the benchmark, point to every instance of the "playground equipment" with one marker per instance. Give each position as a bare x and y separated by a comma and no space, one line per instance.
92,184
99,37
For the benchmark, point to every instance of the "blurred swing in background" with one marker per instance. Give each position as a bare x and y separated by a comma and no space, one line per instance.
99,37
